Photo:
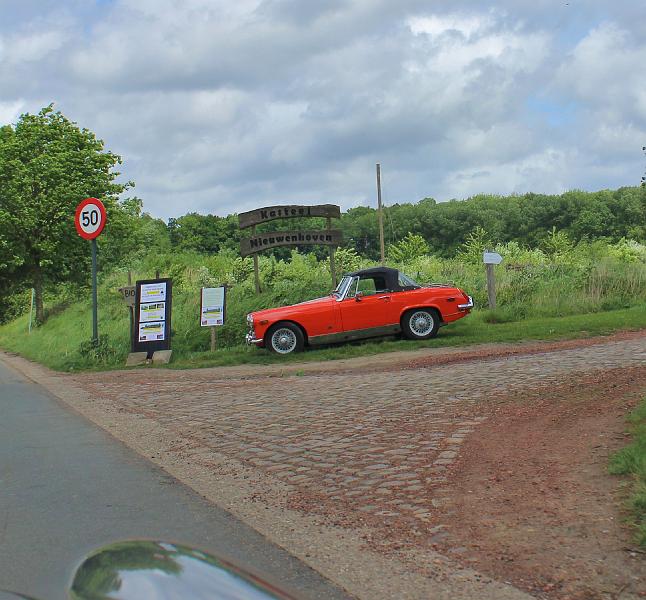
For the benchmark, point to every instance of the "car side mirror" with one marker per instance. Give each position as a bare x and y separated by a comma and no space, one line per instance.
358,296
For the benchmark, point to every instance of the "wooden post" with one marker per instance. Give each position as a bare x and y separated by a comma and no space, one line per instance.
157,274
212,339
381,216
491,287
256,271
332,265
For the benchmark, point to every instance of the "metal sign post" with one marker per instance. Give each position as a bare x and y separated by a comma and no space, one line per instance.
95,309
90,220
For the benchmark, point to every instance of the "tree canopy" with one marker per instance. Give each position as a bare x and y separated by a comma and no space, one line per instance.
47,166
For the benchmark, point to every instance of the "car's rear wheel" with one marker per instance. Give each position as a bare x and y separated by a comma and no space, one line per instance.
421,323
285,338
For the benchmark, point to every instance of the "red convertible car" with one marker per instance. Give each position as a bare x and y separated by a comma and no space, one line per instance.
369,303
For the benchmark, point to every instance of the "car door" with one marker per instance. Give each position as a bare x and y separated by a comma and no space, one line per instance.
370,308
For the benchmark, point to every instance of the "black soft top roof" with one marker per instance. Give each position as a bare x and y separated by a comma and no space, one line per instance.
391,277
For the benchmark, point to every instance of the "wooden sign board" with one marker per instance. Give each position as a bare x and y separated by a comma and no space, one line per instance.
274,239
128,293
263,215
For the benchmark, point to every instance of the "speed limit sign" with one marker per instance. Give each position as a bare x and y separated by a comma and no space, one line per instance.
90,218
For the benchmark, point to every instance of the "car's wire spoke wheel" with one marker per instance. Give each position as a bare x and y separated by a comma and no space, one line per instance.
284,340
421,323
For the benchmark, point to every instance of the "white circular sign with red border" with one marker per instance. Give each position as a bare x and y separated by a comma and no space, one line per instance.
90,218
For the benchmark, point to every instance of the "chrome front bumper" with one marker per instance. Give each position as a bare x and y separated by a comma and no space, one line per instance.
468,305
250,339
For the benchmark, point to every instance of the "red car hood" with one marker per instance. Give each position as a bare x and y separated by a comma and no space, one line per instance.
284,310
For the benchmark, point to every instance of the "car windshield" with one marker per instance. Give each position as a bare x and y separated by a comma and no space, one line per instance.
340,289
406,281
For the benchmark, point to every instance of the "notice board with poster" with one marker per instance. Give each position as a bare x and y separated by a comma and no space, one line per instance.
153,300
212,306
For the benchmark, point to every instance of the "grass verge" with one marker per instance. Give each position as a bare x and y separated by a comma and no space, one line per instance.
470,330
57,344
631,461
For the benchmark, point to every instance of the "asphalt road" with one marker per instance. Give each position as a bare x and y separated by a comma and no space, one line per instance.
67,488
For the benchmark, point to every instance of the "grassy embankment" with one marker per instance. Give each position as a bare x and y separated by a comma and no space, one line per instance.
632,461
57,344
539,298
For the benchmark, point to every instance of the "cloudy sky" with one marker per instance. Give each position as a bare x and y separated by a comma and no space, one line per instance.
219,106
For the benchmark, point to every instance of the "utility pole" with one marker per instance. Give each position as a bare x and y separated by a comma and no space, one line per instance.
381,216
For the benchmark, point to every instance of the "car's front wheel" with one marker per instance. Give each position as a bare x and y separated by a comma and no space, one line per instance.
285,338
421,323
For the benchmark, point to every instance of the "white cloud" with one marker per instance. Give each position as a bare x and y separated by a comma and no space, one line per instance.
436,25
606,69
217,105
10,111
32,47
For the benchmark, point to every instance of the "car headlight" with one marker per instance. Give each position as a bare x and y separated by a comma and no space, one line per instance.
250,319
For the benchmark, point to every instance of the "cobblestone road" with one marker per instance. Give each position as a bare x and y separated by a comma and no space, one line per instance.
378,443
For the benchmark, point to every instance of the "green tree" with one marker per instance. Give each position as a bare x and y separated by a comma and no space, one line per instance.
411,247
476,243
47,166
557,243
207,234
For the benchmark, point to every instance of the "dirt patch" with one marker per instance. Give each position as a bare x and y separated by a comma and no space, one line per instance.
532,501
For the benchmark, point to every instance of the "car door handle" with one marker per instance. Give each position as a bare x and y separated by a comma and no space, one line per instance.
386,298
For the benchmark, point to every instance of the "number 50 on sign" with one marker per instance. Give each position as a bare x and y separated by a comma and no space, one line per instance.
90,218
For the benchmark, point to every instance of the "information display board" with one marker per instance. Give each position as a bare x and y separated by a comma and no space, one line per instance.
153,299
212,306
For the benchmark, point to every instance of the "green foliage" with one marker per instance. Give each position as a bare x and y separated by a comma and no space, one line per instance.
531,288
628,251
97,352
206,234
47,166
347,260
557,243
631,461
131,234
411,247
475,244
526,219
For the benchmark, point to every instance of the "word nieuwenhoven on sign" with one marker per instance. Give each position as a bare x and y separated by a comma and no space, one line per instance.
264,241
262,215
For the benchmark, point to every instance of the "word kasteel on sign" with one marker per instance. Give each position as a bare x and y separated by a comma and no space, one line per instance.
152,331
212,306
269,213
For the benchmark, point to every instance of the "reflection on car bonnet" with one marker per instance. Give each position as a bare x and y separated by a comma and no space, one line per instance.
158,571
154,570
